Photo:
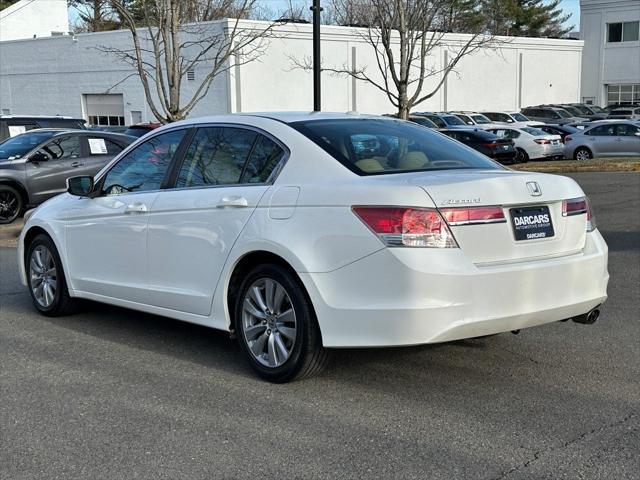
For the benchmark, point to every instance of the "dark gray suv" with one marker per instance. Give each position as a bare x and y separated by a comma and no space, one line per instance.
35,165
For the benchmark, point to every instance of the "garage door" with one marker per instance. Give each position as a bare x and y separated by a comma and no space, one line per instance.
105,109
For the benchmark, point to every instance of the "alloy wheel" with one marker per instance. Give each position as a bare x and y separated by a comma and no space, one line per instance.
269,322
583,155
9,206
43,275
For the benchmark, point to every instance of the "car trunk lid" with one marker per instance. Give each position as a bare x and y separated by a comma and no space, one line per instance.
533,225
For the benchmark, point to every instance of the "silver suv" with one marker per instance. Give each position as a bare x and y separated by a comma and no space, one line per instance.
610,139
35,165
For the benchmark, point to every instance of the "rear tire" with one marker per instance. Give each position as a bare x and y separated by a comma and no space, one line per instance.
521,156
11,204
277,327
46,280
582,154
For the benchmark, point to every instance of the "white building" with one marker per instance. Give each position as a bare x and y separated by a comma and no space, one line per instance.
69,76
611,58
34,19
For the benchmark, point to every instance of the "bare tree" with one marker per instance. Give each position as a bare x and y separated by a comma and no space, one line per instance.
166,47
405,35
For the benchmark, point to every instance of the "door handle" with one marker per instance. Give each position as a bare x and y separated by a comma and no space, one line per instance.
77,164
233,202
136,208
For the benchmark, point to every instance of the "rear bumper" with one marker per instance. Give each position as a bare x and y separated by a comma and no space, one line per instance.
409,296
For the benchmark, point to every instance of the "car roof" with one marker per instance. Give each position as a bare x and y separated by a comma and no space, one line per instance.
78,131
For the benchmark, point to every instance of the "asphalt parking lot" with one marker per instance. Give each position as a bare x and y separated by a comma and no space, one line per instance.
115,394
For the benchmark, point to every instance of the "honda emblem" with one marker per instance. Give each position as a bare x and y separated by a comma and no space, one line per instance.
534,189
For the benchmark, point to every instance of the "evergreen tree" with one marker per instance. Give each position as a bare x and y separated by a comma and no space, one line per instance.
527,18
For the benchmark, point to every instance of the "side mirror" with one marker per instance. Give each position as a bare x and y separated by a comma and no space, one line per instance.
39,157
81,186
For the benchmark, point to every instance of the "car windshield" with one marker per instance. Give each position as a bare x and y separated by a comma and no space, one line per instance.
518,117
377,146
572,110
452,120
20,145
563,113
597,109
480,119
622,112
533,131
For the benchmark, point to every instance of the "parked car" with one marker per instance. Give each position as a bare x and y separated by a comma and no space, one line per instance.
140,129
35,165
12,125
606,139
475,119
630,113
515,119
531,143
609,108
592,112
551,115
562,130
489,144
298,243
442,120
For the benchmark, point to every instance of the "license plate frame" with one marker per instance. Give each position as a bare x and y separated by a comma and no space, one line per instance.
531,223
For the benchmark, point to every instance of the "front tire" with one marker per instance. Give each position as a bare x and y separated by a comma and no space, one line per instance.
11,204
581,154
277,327
46,280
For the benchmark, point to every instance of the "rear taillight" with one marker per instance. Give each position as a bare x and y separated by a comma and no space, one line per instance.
407,227
542,141
567,138
473,215
578,206
491,145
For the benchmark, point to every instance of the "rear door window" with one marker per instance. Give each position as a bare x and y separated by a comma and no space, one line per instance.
265,157
602,131
216,156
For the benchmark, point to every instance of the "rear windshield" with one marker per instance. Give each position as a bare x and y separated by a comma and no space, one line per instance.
622,112
533,131
563,113
377,146
20,145
519,117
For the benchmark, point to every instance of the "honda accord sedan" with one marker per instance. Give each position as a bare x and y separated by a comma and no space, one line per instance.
299,233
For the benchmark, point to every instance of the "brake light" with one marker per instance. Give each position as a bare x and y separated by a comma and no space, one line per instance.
542,141
567,138
473,215
407,227
491,145
578,206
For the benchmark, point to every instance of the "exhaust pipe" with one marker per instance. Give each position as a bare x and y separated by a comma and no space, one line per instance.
588,318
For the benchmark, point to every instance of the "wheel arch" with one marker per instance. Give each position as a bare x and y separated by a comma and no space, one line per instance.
582,147
19,187
27,237
241,268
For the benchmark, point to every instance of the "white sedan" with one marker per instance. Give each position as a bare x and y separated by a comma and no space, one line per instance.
532,143
304,232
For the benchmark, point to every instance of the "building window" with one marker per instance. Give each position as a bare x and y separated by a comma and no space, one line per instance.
623,32
191,75
103,121
623,94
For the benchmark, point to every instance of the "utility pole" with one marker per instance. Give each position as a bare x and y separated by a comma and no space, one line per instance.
316,8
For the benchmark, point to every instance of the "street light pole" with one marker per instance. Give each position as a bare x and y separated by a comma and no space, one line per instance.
316,8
